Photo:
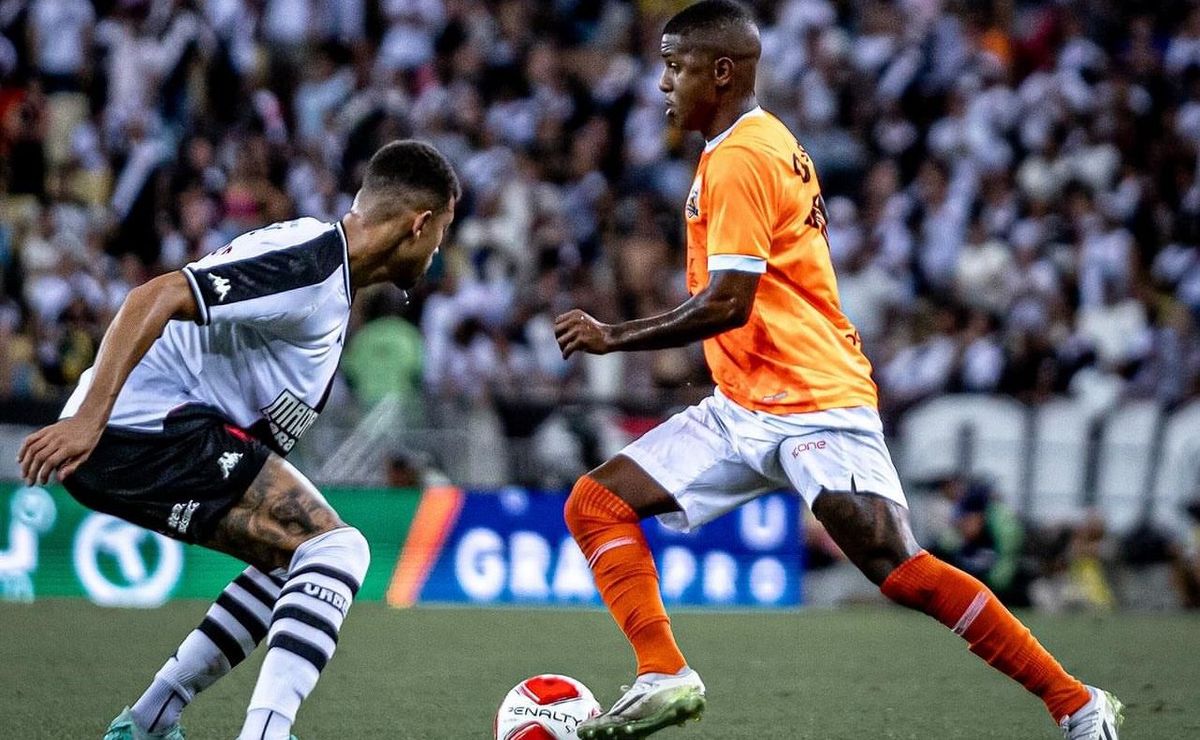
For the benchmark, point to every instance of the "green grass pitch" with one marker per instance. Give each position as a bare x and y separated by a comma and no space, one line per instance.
433,673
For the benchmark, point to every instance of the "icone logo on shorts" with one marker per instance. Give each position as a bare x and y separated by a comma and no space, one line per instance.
806,446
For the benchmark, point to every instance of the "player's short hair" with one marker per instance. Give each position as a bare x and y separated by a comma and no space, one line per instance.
410,173
712,21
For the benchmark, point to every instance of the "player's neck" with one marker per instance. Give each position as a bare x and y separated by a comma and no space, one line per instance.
368,251
727,115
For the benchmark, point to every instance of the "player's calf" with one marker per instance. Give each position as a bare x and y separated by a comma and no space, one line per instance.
283,524
232,628
875,534
871,530
606,528
962,603
324,577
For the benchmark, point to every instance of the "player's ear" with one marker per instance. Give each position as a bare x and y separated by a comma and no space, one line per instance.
722,71
421,222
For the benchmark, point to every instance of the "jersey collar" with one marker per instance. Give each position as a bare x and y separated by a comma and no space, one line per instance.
345,257
754,112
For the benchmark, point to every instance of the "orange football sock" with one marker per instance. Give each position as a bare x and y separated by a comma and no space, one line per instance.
965,605
607,531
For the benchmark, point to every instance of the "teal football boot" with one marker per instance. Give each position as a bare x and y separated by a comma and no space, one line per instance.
124,728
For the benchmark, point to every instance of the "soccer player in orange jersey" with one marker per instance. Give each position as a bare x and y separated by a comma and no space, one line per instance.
794,405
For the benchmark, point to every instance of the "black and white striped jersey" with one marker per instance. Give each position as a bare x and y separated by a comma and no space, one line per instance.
274,304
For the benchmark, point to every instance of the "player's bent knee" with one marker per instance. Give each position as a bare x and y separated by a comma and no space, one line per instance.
345,546
590,503
573,510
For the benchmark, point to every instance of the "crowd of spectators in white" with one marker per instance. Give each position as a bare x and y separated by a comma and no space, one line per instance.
1012,186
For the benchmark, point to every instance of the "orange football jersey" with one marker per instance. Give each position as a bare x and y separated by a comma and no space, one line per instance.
755,205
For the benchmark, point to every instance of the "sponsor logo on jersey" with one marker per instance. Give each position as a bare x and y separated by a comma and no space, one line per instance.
228,462
181,516
693,201
220,286
289,418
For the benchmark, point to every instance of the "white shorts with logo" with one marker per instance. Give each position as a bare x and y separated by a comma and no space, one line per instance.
715,456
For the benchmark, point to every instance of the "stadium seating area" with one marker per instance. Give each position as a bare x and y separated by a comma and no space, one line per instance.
1014,203
1013,187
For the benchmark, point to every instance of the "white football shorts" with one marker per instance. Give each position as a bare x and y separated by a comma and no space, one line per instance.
715,456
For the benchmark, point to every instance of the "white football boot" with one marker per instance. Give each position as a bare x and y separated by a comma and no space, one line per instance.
654,701
1099,719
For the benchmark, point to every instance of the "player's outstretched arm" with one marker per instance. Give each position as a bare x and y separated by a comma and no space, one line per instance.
725,304
66,445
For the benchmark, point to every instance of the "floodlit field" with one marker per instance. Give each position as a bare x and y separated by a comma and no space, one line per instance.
439,673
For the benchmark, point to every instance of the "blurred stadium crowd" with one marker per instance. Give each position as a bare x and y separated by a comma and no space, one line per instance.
1012,186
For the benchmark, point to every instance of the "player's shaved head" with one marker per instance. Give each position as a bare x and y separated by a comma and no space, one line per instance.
721,28
407,176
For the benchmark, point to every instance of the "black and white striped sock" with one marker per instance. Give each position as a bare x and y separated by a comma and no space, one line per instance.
233,626
325,574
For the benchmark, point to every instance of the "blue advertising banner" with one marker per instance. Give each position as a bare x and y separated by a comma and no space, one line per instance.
512,547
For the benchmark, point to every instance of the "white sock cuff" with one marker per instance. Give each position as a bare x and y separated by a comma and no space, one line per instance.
264,723
168,675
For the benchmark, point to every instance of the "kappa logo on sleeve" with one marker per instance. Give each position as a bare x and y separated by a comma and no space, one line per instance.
220,286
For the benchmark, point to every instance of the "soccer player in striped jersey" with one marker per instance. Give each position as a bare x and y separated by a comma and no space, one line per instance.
203,383
795,405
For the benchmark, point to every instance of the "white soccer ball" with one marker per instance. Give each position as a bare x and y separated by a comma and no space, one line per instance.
546,707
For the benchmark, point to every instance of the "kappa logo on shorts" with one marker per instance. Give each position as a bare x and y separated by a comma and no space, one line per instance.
289,418
806,446
220,285
228,462
181,516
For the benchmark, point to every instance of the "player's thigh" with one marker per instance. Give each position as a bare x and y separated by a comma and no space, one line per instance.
180,481
279,511
851,485
688,470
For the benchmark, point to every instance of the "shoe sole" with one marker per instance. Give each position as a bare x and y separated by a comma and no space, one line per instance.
689,706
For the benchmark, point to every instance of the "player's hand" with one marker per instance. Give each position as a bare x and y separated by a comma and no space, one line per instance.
60,447
576,331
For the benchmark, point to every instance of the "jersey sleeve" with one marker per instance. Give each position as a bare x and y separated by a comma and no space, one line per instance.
742,206
277,287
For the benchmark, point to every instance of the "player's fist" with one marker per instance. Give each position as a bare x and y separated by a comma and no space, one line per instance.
61,447
576,331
